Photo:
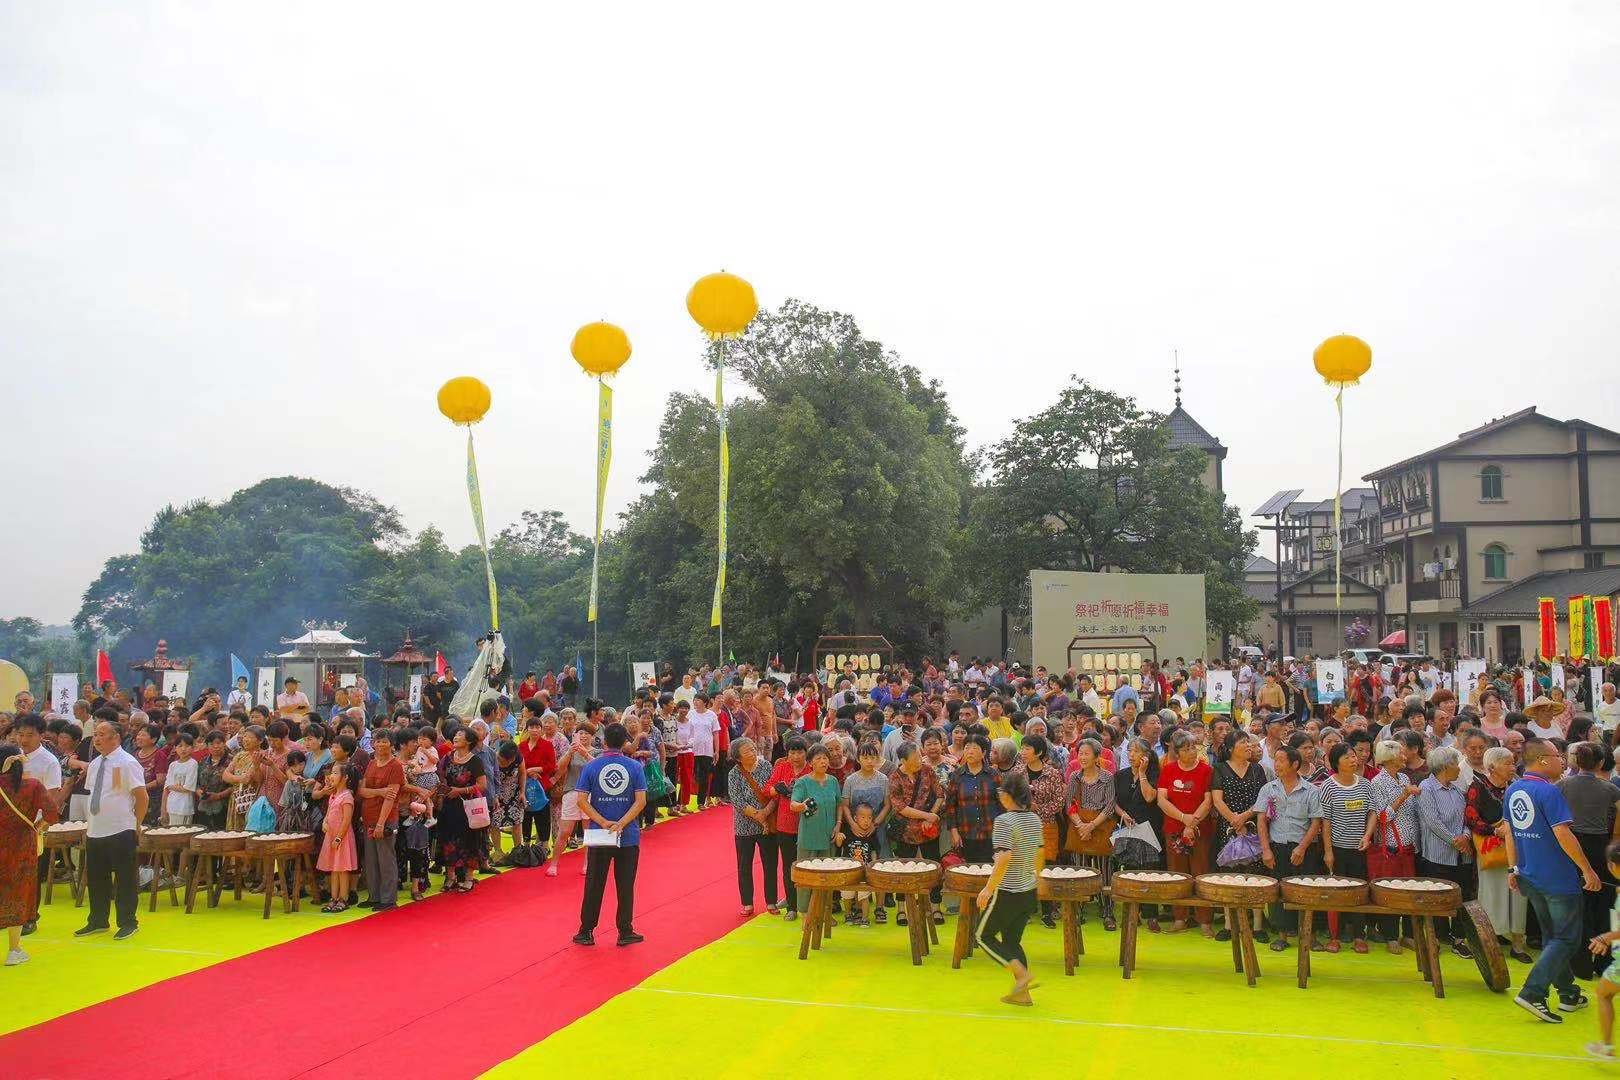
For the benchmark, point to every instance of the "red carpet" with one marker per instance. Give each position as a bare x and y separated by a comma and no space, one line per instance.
446,988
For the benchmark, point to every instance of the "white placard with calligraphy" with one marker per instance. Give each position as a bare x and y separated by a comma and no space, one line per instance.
416,693
175,683
64,692
1469,673
265,688
1329,680
1222,685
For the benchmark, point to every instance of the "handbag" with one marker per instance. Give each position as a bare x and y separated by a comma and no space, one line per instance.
477,811
534,795
1384,863
658,785
261,816
1244,847
1101,840
1491,852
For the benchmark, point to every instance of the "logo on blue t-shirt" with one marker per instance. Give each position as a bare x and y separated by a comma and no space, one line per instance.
614,778
1522,809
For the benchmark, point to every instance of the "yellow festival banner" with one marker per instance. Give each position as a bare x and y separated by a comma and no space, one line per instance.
1577,627
725,480
477,500
604,458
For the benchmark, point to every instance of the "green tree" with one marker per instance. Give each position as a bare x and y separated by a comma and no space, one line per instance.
847,480
1091,483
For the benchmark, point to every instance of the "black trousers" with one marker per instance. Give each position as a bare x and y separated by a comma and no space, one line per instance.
109,871
1351,862
703,773
746,846
1282,854
787,849
623,860
1001,927
539,822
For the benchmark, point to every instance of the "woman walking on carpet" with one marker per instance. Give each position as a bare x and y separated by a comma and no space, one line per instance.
1008,898
25,808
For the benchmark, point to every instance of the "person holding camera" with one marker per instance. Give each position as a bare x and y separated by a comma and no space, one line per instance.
815,799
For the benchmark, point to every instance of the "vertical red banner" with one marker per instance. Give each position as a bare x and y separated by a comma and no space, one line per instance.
1603,618
1547,609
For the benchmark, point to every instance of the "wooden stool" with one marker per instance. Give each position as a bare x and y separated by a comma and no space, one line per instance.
58,843
167,850
911,887
1241,895
1070,892
281,858
1134,891
821,884
965,882
205,848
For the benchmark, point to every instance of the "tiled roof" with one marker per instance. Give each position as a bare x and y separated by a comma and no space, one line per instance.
1521,597
1259,564
1185,431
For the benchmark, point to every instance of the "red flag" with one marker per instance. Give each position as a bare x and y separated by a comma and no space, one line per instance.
104,673
439,666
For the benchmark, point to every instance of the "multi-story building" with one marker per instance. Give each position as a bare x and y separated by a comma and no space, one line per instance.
1455,544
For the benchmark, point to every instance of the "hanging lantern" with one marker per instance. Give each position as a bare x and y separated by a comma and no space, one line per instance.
1343,359
464,400
723,304
600,348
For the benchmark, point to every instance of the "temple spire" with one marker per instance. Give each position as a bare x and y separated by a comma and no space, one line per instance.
1176,353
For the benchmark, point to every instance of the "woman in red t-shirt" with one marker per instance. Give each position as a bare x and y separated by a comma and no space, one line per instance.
1184,796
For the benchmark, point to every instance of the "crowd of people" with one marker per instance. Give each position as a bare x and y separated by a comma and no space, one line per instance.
1510,793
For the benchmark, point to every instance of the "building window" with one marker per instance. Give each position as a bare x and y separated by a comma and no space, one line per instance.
1490,482
1495,562
1593,560
1304,637
1476,640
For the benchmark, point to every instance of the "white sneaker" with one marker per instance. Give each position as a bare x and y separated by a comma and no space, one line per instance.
582,868
15,957
551,870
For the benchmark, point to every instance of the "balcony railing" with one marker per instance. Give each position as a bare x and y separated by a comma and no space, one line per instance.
1442,589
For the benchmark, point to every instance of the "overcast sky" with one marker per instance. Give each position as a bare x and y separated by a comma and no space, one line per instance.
240,241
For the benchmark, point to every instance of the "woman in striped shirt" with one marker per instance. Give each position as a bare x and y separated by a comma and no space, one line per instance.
1008,898
1347,804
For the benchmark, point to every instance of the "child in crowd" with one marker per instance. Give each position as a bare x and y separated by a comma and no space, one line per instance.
180,783
860,845
414,842
1608,975
337,855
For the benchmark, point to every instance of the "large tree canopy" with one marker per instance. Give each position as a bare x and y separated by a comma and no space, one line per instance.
847,479
1091,483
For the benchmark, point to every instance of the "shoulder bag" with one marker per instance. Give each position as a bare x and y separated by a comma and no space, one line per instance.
1384,863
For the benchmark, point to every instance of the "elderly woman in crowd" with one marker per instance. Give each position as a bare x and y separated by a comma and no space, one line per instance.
1092,813
1396,804
1483,814
1046,790
1235,789
1184,796
1447,846
915,798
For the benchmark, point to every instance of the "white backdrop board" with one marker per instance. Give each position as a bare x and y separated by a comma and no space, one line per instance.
1115,611
175,683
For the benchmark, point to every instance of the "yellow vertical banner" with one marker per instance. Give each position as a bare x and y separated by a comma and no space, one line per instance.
477,499
725,480
604,458
1577,627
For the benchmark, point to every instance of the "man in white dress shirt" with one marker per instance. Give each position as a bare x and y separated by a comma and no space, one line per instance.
118,799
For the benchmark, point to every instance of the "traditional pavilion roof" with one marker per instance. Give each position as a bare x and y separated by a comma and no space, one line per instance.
408,654
326,640
161,661
1185,432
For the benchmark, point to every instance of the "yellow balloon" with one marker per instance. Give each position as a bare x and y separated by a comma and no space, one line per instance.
464,400
1343,359
723,304
12,681
600,348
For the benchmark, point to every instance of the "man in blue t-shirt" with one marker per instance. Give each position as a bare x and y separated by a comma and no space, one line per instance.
613,790
1547,865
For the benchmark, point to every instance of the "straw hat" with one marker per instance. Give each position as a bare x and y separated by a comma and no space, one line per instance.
1543,708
